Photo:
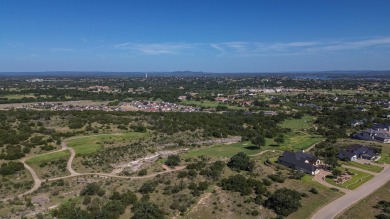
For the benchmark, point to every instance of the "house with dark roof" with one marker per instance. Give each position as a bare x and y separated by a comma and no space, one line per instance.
377,132
357,151
301,161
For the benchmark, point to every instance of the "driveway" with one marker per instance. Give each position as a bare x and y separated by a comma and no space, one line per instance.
339,205
320,177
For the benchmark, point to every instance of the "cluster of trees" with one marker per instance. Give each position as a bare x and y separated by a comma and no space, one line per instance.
218,125
11,168
173,160
241,161
92,189
111,208
284,201
328,151
243,185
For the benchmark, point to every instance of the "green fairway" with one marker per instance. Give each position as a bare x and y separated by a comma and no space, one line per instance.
357,180
209,104
298,124
48,157
294,141
92,144
222,150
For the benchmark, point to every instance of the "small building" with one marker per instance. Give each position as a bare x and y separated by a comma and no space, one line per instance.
301,161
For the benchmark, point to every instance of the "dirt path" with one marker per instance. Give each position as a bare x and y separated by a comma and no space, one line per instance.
263,152
70,161
120,177
311,147
73,173
201,201
341,204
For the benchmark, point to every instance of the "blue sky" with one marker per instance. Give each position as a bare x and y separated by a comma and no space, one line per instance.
195,35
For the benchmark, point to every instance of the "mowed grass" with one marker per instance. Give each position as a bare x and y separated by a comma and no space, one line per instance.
292,142
356,180
298,124
223,150
364,208
372,168
92,144
385,155
48,157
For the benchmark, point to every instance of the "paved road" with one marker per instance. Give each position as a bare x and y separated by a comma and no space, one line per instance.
339,205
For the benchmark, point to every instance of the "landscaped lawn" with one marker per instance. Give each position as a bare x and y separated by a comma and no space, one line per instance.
356,180
385,155
92,144
48,157
298,124
372,168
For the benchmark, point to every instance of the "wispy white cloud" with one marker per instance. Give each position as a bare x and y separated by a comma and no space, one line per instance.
357,44
243,48
27,56
259,48
58,49
218,47
156,48
84,40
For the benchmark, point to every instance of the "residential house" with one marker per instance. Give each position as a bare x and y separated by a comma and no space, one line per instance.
378,132
301,161
357,151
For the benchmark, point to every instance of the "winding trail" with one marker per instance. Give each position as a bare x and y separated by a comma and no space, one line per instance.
73,173
263,152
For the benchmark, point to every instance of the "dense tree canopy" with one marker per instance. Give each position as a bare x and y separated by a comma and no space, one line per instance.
241,161
284,201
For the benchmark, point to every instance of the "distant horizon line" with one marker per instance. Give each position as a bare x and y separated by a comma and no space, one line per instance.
204,72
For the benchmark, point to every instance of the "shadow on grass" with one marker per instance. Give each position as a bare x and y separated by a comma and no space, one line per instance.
252,147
